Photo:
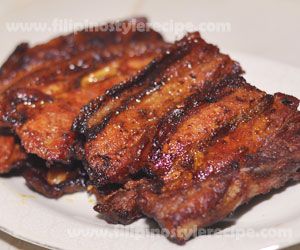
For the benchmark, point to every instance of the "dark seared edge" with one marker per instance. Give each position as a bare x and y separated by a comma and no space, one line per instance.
13,60
56,181
167,88
160,161
119,205
64,59
125,90
168,124
25,59
47,131
258,156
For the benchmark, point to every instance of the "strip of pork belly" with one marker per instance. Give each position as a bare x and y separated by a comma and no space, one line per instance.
46,130
55,181
118,204
35,86
113,152
203,116
101,108
255,157
48,133
25,59
35,75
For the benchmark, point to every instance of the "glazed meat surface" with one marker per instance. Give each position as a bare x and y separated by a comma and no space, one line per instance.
60,77
221,170
168,131
250,159
55,181
114,144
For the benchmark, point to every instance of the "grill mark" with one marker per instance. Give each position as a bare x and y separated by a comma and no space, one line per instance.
238,167
70,76
16,96
68,46
137,83
195,99
100,175
168,124
92,132
243,159
161,162
59,146
242,153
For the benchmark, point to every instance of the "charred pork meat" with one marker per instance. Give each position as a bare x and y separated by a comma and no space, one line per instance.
54,181
205,154
115,139
210,177
211,158
45,93
171,132
43,89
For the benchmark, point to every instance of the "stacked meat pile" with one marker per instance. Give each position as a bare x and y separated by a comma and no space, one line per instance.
168,131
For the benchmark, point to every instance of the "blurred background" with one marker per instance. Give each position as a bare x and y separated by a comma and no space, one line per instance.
265,28
269,28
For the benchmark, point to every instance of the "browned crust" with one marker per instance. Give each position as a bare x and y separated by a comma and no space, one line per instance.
270,157
203,118
120,206
48,132
56,181
62,60
125,92
42,101
25,59
130,126
205,140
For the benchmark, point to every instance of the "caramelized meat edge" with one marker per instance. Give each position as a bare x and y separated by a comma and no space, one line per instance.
113,152
257,156
42,104
55,181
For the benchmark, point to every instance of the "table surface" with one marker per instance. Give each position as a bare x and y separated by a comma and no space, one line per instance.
266,28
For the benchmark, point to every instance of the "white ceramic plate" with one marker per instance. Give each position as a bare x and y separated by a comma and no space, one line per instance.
270,222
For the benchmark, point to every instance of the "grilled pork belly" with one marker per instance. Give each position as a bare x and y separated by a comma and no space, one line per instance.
235,155
115,143
171,132
54,181
45,94
215,175
219,147
43,89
